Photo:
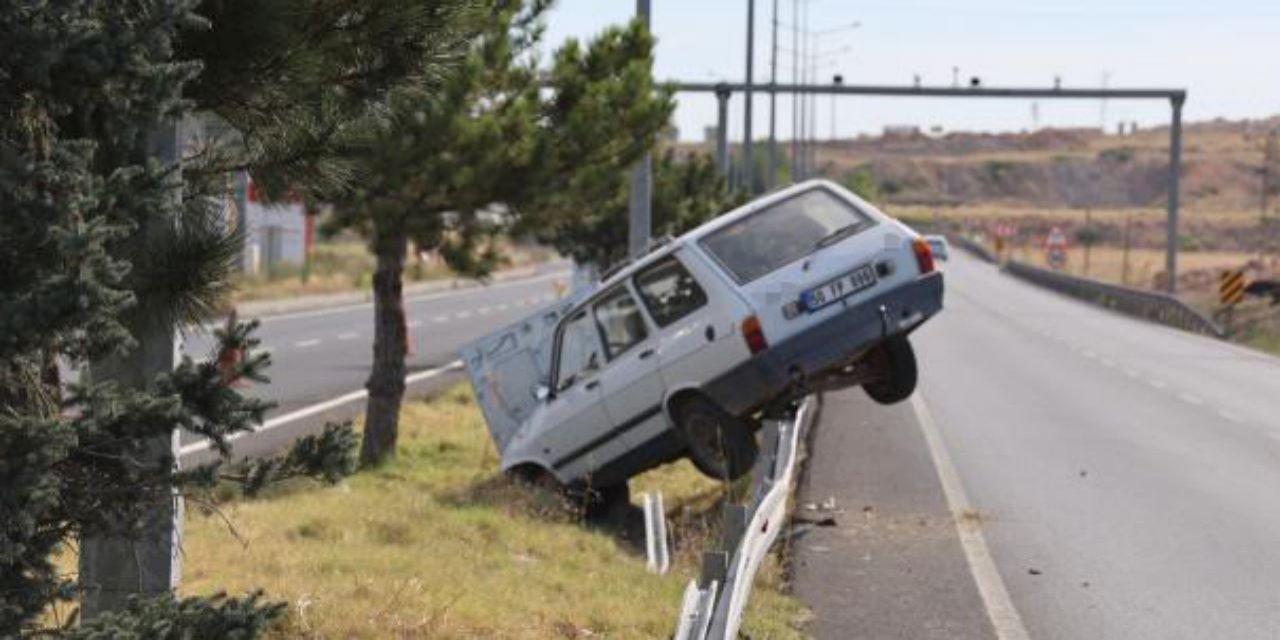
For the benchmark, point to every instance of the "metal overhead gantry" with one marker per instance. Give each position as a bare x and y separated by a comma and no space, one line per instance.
1176,97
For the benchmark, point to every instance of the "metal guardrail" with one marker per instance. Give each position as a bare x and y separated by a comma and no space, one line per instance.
1148,305
713,606
974,247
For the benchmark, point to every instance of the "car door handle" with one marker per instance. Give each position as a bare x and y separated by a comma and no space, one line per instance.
710,333
591,385
646,354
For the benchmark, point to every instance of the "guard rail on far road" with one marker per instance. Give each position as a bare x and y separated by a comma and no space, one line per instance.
1148,305
713,606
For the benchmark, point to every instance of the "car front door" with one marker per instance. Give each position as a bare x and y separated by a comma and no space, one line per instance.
574,440
631,383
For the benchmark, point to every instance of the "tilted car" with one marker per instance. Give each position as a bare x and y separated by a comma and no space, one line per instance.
809,288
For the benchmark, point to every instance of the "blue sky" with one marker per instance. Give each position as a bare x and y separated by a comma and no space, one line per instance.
1226,53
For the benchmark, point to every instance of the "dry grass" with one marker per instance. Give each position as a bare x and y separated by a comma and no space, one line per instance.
434,545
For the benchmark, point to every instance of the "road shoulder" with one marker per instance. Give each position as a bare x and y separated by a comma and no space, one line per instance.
876,554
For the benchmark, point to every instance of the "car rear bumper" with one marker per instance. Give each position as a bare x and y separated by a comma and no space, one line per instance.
830,344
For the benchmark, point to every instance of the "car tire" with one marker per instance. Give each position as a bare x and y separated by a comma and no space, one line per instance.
720,445
897,362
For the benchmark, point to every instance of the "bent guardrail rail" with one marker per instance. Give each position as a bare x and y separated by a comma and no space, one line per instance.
1147,305
713,605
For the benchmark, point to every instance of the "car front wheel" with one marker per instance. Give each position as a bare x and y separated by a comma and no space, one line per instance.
720,445
895,362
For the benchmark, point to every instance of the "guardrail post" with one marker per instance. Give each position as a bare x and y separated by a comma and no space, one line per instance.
1175,172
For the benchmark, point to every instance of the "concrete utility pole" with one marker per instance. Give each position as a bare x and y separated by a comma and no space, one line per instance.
641,183
113,568
772,180
748,166
1175,165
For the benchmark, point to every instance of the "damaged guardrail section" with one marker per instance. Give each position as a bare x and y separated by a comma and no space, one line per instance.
713,605
1149,305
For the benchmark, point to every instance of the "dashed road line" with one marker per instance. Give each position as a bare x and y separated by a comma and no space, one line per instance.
1107,362
995,595
1157,384
503,307
440,319
1130,372
414,324
484,311
1230,417
307,343
462,314
1190,399
350,335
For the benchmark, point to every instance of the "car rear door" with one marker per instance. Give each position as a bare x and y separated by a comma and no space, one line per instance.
697,322
631,385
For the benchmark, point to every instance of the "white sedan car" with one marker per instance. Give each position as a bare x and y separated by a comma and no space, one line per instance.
809,288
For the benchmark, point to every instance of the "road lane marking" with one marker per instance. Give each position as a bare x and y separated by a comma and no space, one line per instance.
1230,417
503,307
306,343
319,407
350,335
1108,363
1191,399
463,314
1088,354
440,319
1130,372
484,311
1157,384
995,595
411,299
414,324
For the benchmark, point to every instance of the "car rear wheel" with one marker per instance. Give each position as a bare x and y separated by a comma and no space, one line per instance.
720,445
895,362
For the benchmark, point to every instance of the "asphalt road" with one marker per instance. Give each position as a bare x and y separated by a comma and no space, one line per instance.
320,355
1116,479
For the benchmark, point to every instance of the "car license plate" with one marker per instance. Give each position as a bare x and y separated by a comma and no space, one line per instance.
847,284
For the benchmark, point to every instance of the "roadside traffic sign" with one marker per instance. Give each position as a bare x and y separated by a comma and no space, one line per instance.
1231,287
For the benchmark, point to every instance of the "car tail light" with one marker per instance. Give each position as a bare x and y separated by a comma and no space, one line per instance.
924,255
753,333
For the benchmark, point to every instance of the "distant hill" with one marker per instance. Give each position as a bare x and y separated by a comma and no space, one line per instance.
1222,163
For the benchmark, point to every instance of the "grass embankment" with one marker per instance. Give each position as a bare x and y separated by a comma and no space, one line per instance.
436,545
342,266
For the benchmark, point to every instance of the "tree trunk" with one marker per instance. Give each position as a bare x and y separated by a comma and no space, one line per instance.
386,379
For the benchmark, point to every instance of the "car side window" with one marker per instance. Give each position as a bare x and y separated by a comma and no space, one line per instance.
620,321
670,291
579,350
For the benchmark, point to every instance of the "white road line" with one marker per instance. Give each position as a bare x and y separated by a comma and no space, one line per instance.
350,335
1130,372
1107,362
1157,384
440,319
1004,617
1088,354
319,407
414,324
1191,399
484,311
503,307
1230,417
306,343
463,314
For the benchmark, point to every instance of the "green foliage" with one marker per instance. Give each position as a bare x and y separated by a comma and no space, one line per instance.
592,225
862,181
169,618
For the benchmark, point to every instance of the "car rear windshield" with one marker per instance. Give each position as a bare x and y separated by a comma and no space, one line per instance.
784,232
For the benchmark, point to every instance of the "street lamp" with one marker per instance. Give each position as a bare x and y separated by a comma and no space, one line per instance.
837,80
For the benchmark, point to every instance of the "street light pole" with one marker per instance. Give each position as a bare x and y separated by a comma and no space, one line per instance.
772,180
748,164
641,183
837,80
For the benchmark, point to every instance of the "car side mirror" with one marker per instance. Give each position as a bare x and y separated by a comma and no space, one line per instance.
541,392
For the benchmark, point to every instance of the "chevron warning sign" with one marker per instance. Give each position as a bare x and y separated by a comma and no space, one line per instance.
1231,287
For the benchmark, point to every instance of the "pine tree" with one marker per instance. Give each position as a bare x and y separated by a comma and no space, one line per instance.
489,138
100,244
